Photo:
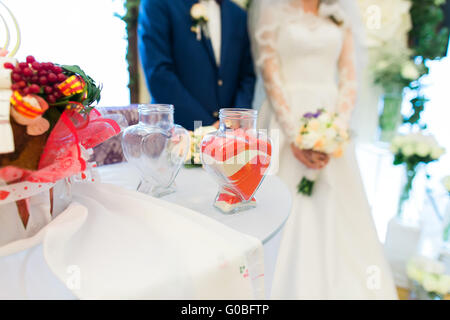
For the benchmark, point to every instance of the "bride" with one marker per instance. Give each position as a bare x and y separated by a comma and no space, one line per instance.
304,50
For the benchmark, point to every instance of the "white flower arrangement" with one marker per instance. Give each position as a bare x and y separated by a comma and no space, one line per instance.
193,156
392,67
421,147
386,21
411,150
430,274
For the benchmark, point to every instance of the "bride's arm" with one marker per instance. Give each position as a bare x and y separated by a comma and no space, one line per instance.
268,62
347,79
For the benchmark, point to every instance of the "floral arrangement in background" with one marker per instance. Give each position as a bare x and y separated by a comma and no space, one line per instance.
394,69
193,157
411,150
322,132
428,275
402,35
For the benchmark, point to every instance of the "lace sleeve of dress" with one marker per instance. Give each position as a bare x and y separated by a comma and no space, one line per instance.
267,61
347,79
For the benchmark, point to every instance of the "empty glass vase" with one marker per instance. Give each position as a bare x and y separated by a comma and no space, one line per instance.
157,148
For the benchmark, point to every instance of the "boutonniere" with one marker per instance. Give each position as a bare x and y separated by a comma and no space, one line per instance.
199,15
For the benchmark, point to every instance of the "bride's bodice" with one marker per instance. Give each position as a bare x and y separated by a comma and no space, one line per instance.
308,47
306,60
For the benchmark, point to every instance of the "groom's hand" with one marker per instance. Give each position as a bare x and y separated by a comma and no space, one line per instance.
311,159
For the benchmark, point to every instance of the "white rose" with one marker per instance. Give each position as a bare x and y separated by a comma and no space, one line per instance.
324,118
330,134
309,140
437,152
430,283
407,150
199,11
396,144
422,149
409,71
386,21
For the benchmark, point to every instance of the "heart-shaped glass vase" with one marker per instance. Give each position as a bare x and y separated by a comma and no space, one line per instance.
238,157
157,148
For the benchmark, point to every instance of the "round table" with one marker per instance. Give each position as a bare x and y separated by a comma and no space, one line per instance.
196,190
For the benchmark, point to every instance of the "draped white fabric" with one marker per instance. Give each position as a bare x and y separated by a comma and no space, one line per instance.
112,243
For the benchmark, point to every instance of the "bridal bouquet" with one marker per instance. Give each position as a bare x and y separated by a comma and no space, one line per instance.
320,131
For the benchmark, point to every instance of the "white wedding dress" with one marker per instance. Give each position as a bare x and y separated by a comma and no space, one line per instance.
329,248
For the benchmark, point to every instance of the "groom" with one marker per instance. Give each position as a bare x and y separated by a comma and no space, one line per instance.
196,56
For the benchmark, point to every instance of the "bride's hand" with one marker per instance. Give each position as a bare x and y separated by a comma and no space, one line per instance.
311,159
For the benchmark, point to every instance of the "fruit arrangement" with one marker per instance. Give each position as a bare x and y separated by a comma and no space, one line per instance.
48,122
48,80
41,92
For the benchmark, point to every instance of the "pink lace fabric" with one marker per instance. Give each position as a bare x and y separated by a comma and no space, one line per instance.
62,156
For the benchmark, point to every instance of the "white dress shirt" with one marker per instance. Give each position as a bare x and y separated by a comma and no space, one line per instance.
214,27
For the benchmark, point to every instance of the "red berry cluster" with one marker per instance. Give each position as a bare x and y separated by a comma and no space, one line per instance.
32,77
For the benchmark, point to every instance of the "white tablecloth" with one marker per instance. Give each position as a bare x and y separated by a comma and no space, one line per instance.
117,243
197,190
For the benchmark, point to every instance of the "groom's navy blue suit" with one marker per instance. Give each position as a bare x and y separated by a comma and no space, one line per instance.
182,71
